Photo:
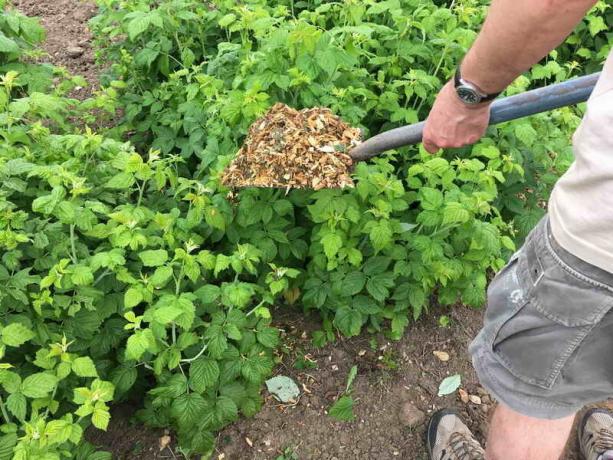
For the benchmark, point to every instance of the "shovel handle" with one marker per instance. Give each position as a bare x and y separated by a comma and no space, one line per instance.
509,108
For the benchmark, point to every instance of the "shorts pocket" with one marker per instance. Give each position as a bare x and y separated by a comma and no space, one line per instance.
535,340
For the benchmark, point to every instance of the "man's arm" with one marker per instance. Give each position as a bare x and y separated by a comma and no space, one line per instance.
515,36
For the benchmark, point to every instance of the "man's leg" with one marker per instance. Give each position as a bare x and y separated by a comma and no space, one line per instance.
515,436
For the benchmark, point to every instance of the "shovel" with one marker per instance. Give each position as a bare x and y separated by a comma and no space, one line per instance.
509,108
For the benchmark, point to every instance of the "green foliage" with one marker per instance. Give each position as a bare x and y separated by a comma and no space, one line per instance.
126,268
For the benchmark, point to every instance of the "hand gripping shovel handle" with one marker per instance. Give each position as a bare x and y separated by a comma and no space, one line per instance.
509,108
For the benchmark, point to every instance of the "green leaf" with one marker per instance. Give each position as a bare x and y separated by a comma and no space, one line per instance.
188,409
38,385
208,294
167,314
82,275
342,409
431,199
10,381
203,373
84,367
268,336
16,334
138,25
214,218
58,431
348,321
449,384
225,409
121,181
353,283
153,257
17,404
7,45
7,444
138,344
381,235
161,276
132,297
101,417
331,243
217,340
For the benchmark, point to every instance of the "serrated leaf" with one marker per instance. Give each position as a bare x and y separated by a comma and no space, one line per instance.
84,367
225,409
101,417
268,336
331,243
138,25
38,385
203,373
132,297
16,334
348,321
353,283
17,404
342,409
7,45
82,275
188,408
449,384
381,235
161,276
153,257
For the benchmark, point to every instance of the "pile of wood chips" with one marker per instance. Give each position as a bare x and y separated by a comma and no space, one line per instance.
287,149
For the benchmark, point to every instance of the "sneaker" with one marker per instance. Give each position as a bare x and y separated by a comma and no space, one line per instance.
449,439
596,434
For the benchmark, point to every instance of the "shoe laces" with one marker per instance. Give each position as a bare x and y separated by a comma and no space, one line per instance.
464,447
603,440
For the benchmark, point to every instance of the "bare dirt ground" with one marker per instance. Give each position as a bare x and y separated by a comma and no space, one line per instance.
68,42
397,382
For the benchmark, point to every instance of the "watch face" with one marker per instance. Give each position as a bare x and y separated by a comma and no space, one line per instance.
468,95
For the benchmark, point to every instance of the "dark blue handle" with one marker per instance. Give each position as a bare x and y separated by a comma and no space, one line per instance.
509,108
539,100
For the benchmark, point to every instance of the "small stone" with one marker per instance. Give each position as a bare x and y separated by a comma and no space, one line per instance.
486,399
475,399
410,415
74,51
442,355
463,396
485,408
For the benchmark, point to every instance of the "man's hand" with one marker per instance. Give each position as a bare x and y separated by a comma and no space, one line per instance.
452,123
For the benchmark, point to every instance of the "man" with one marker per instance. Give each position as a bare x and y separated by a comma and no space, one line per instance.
546,348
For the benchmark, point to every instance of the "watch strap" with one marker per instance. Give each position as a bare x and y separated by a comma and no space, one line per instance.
457,79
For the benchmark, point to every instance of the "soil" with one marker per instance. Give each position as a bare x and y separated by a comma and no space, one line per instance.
397,382
69,42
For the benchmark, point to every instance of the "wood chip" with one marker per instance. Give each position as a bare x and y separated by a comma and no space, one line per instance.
249,442
289,149
463,396
164,442
442,355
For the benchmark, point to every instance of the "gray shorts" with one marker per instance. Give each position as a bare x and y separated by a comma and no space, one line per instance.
546,347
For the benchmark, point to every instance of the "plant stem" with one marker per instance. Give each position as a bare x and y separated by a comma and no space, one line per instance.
141,190
72,244
5,414
200,353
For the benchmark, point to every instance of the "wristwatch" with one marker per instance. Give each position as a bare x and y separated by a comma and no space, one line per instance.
469,93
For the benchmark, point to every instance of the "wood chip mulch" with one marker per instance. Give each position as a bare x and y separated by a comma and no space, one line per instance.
288,149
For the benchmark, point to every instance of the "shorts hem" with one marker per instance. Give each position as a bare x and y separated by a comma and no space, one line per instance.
527,405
